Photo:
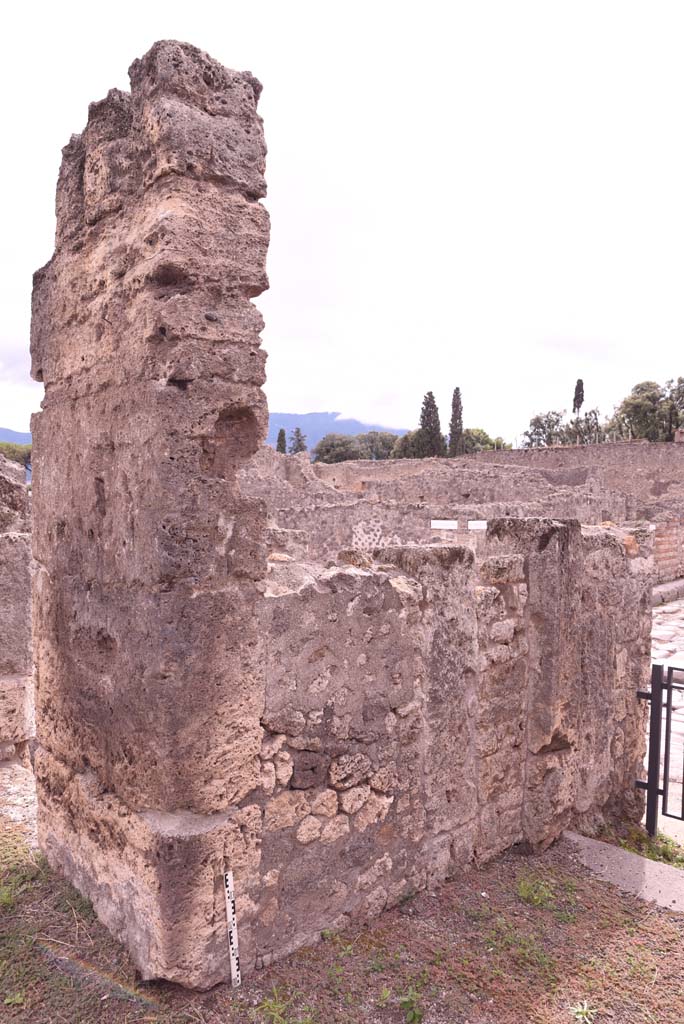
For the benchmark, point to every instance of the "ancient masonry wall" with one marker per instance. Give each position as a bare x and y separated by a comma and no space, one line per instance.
669,550
338,734
649,469
149,669
427,708
651,473
16,686
367,503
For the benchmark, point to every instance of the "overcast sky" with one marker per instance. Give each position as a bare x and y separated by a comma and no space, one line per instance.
483,194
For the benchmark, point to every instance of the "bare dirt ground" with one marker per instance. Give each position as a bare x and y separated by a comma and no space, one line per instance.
525,939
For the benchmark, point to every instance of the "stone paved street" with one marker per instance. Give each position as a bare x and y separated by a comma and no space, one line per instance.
668,633
668,648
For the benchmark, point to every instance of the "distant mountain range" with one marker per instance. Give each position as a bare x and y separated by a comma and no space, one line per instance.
314,425
14,437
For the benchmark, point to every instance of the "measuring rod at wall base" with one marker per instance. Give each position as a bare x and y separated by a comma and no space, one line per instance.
229,889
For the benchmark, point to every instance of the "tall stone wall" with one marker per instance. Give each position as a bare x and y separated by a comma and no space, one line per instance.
16,687
149,677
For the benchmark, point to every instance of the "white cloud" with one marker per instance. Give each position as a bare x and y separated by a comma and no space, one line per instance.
486,194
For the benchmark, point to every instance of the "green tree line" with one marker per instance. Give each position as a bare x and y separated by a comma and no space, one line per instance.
650,412
426,441
20,453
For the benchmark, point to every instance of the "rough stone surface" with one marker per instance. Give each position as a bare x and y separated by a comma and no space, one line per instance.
460,716
148,666
319,510
216,688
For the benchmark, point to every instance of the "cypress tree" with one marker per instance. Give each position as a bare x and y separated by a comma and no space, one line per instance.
578,400
297,442
281,443
430,439
456,446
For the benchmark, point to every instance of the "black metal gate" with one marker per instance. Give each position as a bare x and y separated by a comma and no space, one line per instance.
665,685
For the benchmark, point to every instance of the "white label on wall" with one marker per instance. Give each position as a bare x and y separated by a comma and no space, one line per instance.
477,524
444,524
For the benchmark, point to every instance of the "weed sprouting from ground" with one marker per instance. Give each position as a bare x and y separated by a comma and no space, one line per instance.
583,1012
409,1004
536,892
273,1008
384,997
279,1008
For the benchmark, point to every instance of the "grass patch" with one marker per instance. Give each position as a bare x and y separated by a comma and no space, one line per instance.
526,951
636,839
659,847
72,900
557,895
19,870
280,1008
536,892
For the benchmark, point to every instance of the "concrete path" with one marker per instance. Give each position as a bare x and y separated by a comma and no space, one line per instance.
647,879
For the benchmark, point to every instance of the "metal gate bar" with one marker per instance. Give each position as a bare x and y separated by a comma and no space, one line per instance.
660,684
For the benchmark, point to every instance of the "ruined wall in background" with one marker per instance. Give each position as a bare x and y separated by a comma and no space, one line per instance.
652,471
669,549
364,503
16,686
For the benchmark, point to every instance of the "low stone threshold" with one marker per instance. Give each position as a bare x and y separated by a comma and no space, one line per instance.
649,880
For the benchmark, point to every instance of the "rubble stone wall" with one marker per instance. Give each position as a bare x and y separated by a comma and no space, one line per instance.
16,686
622,481
365,503
432,707
651,470
213,691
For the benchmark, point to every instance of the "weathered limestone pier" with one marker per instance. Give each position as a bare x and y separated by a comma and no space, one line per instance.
148,665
